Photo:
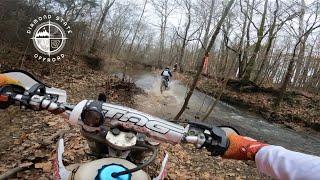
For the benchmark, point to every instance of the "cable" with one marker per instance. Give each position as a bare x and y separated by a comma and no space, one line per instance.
153,157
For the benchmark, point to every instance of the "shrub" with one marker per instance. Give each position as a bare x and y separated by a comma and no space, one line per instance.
93,61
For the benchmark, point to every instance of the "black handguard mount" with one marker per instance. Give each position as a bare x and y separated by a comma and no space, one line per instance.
216,142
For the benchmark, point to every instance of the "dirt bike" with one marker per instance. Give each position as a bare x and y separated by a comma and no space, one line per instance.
164,84
121,134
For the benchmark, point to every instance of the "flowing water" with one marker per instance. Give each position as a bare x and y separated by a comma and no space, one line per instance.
167,105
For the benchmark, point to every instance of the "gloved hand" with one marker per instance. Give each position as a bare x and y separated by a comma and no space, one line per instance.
242,148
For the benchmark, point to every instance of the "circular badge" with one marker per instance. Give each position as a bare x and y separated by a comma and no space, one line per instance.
49,38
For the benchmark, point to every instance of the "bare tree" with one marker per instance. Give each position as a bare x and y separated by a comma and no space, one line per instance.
271,37
306,68
108,5
289,72
304,38
225,75
275,27
208,24
240,50
249,14
137,27
187,4
260,35
163,8
205,55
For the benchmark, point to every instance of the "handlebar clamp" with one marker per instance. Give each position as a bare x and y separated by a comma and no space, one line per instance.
219,142
216,141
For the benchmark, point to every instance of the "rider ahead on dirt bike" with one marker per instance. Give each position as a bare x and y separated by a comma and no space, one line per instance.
274,161
166,74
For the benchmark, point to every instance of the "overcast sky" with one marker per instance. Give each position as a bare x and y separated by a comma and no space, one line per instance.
177,17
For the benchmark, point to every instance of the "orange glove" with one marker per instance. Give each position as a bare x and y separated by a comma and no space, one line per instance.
242,148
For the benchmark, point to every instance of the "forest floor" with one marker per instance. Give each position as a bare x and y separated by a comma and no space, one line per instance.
28,137
299,110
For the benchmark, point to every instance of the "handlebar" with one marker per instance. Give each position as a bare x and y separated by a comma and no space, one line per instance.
201,135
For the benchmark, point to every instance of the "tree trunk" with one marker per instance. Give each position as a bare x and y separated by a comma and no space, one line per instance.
252,60
271,37
206,55
196,54
224,84
206,34
245,52
269,72
306,67
123,41
240,48
162,39
288,76
184,40
137,29
302,44
93,48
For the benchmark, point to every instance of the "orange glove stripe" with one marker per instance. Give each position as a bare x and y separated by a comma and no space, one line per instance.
242,148
7,80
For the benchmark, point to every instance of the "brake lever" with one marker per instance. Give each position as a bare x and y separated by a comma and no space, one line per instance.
38,89
216,142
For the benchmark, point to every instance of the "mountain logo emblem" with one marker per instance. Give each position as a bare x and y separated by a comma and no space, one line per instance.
49,38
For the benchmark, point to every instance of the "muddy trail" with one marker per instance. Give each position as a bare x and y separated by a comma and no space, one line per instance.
168,104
